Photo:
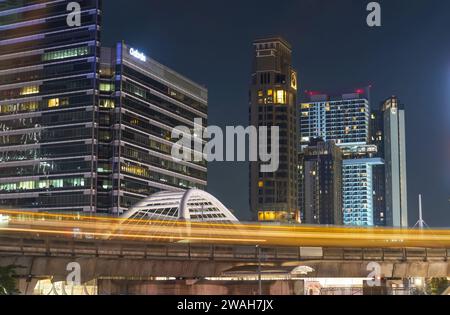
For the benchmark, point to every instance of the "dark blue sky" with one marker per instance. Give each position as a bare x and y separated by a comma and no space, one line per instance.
209,41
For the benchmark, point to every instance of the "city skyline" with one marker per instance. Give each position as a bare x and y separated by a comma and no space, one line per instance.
398,47
227,149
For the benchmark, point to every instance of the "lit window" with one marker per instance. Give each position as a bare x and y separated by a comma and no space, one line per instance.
106,87
105,103
280,97
53,102
27,90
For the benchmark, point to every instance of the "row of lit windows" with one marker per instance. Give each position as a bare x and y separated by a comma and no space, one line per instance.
66,53
43,184
19,107
144,172
32,106
273,215
29,90
135,170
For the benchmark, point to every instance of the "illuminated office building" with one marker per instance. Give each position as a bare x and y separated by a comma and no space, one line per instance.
85,128
48,96
142,102
273,91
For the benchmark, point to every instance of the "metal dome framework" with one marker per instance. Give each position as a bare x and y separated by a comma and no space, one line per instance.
192,205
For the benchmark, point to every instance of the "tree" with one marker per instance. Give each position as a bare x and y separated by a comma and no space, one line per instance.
437,286
8,280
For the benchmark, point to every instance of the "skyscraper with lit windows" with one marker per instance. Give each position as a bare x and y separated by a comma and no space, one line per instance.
320,183
142,101
86,128
345,120
379,184
48,96
273,94
395,156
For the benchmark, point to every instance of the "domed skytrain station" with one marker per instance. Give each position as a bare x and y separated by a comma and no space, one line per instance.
191,205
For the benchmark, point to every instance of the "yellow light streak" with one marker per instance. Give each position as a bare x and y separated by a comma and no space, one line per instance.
205,232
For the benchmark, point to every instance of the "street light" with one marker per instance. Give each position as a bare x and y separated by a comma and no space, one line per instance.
4,219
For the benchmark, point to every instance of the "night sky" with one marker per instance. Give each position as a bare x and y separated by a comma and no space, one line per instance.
209,41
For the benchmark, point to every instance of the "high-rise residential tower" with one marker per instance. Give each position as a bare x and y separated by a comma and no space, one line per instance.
320,190
344,119
395,157
273,91
358,184
377,139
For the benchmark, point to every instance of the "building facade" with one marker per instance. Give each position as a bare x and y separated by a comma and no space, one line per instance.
85,128
343,119
320,193
358,181
48,96
395,156
379,182
150,100
273,91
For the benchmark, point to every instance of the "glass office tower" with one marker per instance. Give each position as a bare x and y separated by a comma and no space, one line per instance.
395,156
85,128
48,97
143,101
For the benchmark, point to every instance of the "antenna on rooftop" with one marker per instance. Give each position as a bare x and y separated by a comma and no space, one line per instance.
421,223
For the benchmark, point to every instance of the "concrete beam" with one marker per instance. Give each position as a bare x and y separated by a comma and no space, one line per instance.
94,268
226,288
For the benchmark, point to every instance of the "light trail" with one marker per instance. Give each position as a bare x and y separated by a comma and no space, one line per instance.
131,236
255,225
104,228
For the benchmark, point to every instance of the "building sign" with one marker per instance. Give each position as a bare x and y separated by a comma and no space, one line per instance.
294,80
137,54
